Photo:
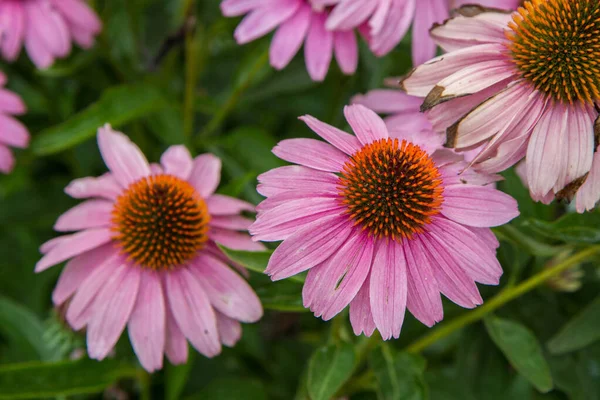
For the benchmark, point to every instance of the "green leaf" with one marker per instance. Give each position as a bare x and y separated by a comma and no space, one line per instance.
522,350
328,369
37,379
23,330
254,260
571,228
117,106
579,332
177,377
231,389
281,296
399,375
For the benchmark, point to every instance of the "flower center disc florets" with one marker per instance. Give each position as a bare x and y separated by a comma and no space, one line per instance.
556,46
391,188
160,222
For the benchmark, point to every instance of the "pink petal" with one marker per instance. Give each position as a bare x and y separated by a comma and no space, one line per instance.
11,103
234,240
219,204
332,285
147,325
177,161
234,8
192,311
345,142
289,37
104,186
311,153
112,309
263,20
78,13
479,206
388,101
426,15
361,317
580,143
227,291
206,174
308,247
345,48
230,330
388,289
78,269
296,178
12,17
367,125
7,160
394,27
231,222
12,132
589,193
318,48
89,214
349,14
124,159
77,244
176,346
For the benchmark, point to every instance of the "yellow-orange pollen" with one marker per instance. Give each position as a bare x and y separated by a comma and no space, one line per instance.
556,46
391,188
160,222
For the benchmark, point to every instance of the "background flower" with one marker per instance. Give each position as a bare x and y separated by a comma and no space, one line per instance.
46,28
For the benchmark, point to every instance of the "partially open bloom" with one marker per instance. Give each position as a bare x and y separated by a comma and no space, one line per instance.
46,27
144,255
12,132
385,22
380,222
524,85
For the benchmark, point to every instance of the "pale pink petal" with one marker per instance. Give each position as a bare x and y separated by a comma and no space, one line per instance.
52,243
388,101
332,285
230,330
345,142
361,317
378,19
427,13
580,141
349,14
11,103
12,17
7,159
309,247
589,193
311,153
124,159
112,308
219,204
296,177
104,186
77,244
232,222
367,125
234,8
227,291
289,37
318,48
345,47
235,240
478,206
78,269
78,13
423,296
147,325
394,28
192,311
262,20
12,132
177,161
176,346
388,289
206,174
89,214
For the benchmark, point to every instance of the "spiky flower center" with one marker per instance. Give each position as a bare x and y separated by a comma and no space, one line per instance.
160,222
556,46
391,188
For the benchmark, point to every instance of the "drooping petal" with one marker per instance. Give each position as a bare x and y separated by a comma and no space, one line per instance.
345,48
177,161
262,20
230,330
426,15
318,48
206,174
176,346
361,317
289,37
89,214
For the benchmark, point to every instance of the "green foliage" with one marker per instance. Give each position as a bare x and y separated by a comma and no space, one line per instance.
328,369
579,332
399,375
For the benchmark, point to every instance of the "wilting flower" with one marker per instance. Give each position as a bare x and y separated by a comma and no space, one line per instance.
385,22
381,222
297,22
12,132
145,255
46,27
524,85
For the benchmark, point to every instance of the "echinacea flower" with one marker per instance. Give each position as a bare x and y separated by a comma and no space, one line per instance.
46,27
381,223
297,22
387,21
524,85
12,132
144,255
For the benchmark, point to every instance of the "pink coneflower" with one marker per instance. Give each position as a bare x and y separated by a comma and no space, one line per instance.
46,27
387,21
145,255
380,223
297,22
526,85
12,132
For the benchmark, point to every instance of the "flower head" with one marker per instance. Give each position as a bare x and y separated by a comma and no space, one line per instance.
46,27
297,22
12,132
145,255
381,222
522,85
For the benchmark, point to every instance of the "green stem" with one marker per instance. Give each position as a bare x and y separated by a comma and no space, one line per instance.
214,124
499,300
